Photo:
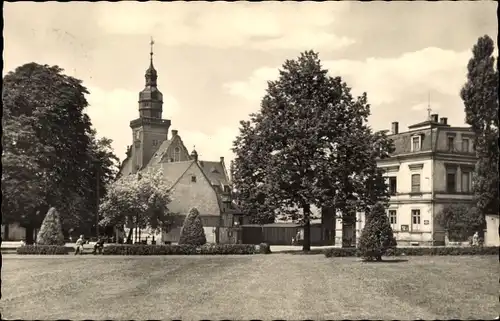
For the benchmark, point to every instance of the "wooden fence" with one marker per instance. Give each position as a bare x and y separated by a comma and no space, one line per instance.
277,233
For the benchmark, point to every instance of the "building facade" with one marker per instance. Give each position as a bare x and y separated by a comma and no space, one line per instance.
193,183
432,166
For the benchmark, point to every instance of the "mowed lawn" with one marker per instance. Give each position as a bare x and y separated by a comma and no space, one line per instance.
276,286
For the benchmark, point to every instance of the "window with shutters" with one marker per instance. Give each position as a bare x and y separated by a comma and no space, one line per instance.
415,143
465,145
451,181
451,143
466,182
415,183
393,185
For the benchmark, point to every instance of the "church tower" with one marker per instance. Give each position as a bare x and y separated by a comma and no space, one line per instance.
149,130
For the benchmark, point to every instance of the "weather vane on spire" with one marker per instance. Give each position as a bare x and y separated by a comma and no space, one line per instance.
152,42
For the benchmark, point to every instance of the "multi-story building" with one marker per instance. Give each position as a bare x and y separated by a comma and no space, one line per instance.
432,166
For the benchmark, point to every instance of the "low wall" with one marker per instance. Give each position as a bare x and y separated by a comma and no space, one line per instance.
491,234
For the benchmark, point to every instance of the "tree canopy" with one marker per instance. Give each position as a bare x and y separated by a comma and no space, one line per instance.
460,220
309,145
139,200
49,149
480,97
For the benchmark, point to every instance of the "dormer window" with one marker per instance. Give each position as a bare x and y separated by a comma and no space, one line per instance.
451,143
416,143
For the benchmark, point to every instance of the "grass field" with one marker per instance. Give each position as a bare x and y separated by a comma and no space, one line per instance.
276,286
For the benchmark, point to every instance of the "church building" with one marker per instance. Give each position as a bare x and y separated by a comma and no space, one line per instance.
194,183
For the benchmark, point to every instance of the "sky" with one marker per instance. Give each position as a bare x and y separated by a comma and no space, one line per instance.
214,58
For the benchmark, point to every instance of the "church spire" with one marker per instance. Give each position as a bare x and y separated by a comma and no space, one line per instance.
151,74
150,98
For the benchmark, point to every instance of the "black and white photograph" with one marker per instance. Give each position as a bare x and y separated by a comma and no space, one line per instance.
274,160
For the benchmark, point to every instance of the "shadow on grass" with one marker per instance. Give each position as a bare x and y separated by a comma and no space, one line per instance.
386,261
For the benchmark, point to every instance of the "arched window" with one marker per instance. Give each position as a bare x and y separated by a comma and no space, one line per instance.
177,154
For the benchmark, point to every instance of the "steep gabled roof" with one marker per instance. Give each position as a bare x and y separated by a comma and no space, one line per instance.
215,172
172,172
160,153
184,198
125,167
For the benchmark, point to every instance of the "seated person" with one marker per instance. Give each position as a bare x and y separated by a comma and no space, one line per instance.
79,245
98,246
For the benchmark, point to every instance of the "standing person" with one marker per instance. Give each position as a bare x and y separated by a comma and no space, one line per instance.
475,239
79,245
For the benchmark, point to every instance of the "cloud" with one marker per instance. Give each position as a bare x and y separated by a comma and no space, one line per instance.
211,147
262,26
385,80
254,87
112,111
424,106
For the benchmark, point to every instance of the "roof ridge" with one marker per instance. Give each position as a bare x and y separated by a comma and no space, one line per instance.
219,200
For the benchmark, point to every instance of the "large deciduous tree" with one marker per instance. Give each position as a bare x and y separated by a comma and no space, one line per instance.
460,221
250,194
137,201
480,96
48,151
310,145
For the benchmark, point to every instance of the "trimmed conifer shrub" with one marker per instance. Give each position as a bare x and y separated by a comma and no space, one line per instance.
377,236
51,230
192,232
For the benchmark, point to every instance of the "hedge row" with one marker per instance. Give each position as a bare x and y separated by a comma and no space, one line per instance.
419,251
208,249
44,249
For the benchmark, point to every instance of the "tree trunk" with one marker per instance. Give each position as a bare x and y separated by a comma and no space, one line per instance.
29,234
306,245
129,236
6,233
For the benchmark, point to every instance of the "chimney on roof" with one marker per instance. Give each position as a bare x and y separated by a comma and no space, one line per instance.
434,118
395,128
222,159
174,132
444,121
